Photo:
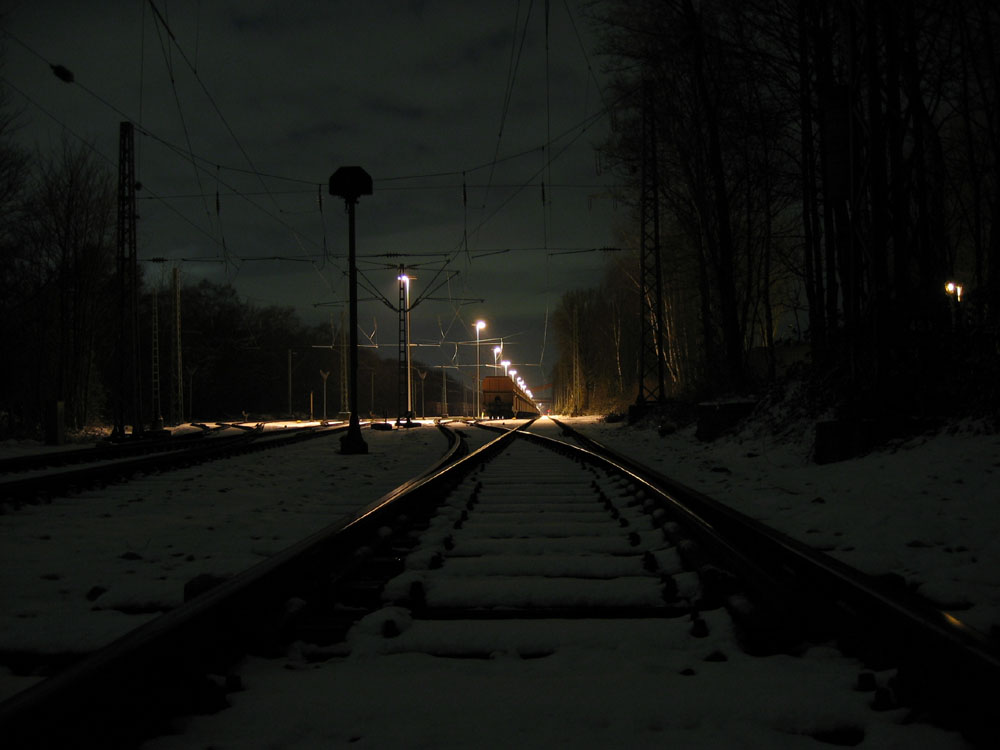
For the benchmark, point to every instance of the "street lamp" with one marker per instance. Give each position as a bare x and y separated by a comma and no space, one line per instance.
954,290
496,356
505,363
480,325
350,183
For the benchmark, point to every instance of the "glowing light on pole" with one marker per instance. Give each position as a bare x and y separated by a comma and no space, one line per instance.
496,356
954,290
480,325
409,370
505,363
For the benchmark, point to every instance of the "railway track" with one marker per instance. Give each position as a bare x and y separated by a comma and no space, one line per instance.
102,451
39,478
501,553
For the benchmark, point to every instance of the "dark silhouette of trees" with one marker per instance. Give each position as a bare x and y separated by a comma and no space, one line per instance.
14,169
825,167
57,268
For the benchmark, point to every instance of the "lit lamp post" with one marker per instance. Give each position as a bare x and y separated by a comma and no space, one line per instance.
350,183
406,344
496,356
505,363
480,325
954,290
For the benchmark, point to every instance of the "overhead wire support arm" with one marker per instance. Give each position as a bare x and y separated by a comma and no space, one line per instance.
431,290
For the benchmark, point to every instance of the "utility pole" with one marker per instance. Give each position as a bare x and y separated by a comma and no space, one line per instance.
345,406
177,412
324,374
157,420
444,392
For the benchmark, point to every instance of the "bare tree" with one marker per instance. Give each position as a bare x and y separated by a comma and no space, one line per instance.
68,265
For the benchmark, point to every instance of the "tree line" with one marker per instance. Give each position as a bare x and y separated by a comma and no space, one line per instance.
60,320
825,169
60,315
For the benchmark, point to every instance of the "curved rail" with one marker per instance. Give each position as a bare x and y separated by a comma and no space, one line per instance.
117,694
944,668
114,696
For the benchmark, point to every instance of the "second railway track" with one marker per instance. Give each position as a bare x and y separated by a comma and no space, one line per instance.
106,464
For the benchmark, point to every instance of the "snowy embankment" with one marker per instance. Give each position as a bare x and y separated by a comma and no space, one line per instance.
926,509
80,571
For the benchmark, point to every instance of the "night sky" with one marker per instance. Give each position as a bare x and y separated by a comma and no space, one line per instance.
272,100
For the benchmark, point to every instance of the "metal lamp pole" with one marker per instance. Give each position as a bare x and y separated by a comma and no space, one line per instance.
350,183
409,363
480,325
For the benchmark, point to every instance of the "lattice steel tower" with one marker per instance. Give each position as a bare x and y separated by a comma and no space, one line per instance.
128,404
651,360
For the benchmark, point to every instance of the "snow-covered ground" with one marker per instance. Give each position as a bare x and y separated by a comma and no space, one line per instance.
83,570
925,509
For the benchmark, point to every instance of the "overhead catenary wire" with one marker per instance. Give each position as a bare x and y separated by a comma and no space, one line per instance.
515,61
606,109
550,151
154,196
546,213
205,164
202,164
211,99
180,112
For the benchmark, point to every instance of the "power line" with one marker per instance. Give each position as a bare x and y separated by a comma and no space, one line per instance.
211,99
184,127
200,163
509,88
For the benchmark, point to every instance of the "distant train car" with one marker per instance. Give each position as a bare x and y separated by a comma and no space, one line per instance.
503,399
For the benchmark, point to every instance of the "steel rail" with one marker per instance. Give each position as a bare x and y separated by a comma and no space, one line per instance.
102,451
944,667
41,487
117,695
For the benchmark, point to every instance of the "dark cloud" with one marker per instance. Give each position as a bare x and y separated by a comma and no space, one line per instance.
398,109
